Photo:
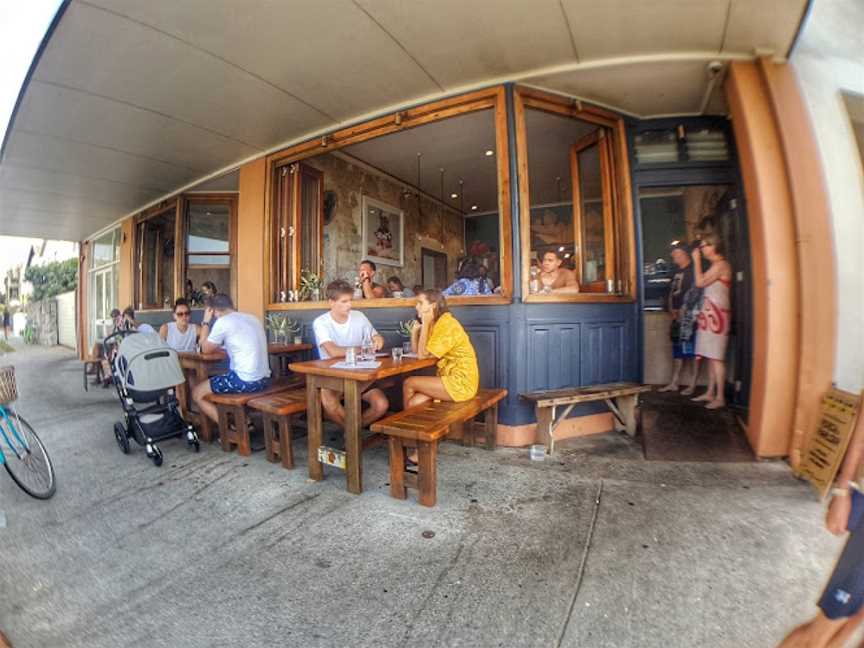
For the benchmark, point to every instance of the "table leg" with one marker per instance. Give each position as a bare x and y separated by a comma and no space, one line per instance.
314,428
353,450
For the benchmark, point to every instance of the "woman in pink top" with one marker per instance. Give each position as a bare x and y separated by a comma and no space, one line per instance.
715,318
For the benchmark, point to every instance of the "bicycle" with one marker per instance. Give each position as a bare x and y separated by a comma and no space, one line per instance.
25,457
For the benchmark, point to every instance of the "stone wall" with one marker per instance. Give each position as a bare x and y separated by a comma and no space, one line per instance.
438,229
42,316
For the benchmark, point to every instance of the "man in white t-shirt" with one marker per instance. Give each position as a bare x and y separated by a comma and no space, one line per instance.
336,331
243,338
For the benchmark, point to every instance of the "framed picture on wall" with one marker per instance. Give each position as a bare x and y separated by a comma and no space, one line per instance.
383,232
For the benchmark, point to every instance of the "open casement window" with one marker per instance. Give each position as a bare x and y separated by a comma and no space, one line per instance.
297,234
595,235
208,250
190,239
155,258
575,201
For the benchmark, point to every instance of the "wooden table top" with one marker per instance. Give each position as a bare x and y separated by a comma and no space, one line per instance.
275,349
197,356
388,368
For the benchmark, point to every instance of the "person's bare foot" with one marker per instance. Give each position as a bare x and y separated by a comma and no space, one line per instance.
669,387
704,398
716,404
688,391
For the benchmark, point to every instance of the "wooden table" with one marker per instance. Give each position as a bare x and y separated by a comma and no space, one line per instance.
351,383
283,352
197,367
621,399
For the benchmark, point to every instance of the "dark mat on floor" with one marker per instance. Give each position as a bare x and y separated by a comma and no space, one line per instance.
676,429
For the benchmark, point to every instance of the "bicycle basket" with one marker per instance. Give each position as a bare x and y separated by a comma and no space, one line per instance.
8,387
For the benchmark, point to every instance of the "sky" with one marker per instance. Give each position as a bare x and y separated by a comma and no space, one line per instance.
23,23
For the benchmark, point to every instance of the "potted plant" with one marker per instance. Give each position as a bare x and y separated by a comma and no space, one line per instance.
282,327
404,328
310,286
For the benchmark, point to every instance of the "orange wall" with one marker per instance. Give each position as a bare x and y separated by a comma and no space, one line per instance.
815,248
250,238
775,262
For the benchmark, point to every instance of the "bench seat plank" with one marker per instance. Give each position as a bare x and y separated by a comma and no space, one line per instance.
567,396
283,403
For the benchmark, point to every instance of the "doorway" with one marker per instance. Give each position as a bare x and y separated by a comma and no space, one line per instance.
684,214
433,269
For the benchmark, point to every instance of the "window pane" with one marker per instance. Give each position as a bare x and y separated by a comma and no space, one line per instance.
656,146
707,145
310,219
209,260
593,229
105,249
209,228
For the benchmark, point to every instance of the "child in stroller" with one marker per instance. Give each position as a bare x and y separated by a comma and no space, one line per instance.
146,372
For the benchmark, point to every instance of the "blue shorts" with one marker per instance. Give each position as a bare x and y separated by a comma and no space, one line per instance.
231,383
845,592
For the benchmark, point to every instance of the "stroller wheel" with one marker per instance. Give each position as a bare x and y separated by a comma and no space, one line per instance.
154,453
122,437
192,439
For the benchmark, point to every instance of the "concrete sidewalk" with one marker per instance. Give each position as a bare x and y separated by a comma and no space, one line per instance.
215,549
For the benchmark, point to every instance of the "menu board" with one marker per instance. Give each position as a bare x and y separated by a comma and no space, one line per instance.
826,447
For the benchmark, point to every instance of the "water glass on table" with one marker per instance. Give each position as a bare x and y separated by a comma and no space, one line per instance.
396,352
350,357
406,347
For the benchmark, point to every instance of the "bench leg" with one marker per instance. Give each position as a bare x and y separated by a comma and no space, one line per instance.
397,468
545,418
271,450
467,432
627,407
224,432
86,388
491,418
244,446
427,472
286,451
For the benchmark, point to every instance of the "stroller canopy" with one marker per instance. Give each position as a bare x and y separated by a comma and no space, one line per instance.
146,363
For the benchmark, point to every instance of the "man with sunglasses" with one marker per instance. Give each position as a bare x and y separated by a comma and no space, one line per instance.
181,334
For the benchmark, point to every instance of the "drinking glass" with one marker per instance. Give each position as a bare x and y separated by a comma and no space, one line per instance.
350,357
406,347
397,354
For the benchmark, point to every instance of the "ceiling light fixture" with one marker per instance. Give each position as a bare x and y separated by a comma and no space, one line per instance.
454,195
489,152
473,207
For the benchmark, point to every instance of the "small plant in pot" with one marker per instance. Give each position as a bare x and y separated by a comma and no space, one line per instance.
310,286
282,328
405,328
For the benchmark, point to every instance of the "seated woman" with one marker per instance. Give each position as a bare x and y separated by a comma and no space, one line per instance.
441,335
554,278
468,282
129,323
181,334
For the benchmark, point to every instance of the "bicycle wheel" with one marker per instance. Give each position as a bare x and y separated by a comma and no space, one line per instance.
34,472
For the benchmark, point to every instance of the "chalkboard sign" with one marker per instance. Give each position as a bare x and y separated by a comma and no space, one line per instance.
826,448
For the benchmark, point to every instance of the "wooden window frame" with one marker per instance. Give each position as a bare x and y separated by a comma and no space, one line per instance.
620,205
488,99
180,205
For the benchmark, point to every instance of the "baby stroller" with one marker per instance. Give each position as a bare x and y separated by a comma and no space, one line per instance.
145,371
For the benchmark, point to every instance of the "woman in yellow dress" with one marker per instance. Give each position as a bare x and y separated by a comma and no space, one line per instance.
441,335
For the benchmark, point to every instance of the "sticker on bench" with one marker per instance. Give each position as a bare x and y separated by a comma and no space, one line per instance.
331,457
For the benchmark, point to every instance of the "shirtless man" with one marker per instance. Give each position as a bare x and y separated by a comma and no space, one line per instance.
366,273
556,278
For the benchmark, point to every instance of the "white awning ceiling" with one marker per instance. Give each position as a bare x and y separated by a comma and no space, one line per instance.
133,100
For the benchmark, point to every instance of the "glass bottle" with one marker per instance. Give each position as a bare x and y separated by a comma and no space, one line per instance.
534,282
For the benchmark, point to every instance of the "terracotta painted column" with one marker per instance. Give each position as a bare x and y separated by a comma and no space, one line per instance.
776,340
250,238
815,248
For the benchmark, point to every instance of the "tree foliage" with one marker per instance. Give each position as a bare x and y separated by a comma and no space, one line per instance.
53,278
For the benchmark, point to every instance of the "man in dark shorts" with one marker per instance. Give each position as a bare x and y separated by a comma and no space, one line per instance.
841,607
243,339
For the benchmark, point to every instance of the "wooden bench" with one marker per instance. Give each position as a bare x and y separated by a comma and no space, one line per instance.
92,367
277,411
233,422
422,427
621,398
